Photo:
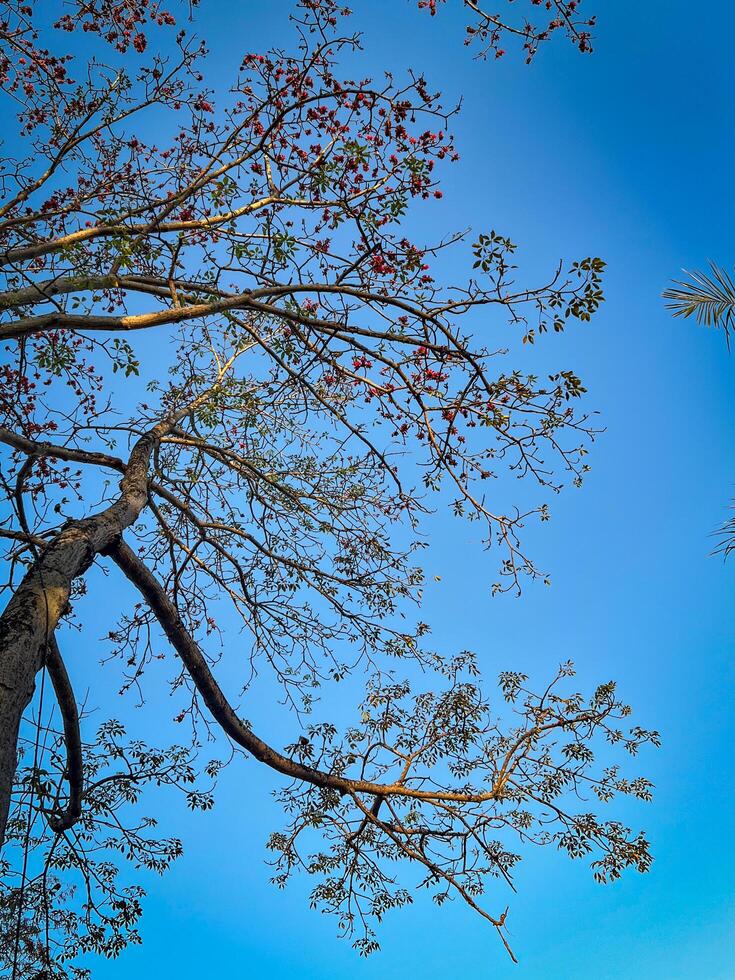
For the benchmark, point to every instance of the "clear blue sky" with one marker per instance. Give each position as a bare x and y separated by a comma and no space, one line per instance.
628,155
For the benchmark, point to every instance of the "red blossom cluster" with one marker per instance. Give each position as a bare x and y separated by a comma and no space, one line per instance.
121,23
492,29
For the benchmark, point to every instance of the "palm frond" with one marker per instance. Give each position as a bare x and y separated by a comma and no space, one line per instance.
726,537
708,297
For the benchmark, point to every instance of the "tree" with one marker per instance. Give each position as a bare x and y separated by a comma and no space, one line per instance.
272,465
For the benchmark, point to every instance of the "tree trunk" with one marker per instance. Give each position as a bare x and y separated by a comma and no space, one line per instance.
33,612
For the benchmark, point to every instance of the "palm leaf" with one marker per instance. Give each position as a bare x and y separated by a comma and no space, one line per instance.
726,537
708,297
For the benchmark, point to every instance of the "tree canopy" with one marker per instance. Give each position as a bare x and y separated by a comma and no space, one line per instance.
233,379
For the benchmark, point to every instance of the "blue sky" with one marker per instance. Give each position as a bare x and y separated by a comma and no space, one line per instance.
628,155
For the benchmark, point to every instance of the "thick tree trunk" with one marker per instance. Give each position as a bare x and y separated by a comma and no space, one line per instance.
42,597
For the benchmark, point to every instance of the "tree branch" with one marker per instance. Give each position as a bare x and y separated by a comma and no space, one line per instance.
193,659
62,820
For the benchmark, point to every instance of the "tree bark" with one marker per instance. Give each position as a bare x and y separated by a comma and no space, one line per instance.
32,615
